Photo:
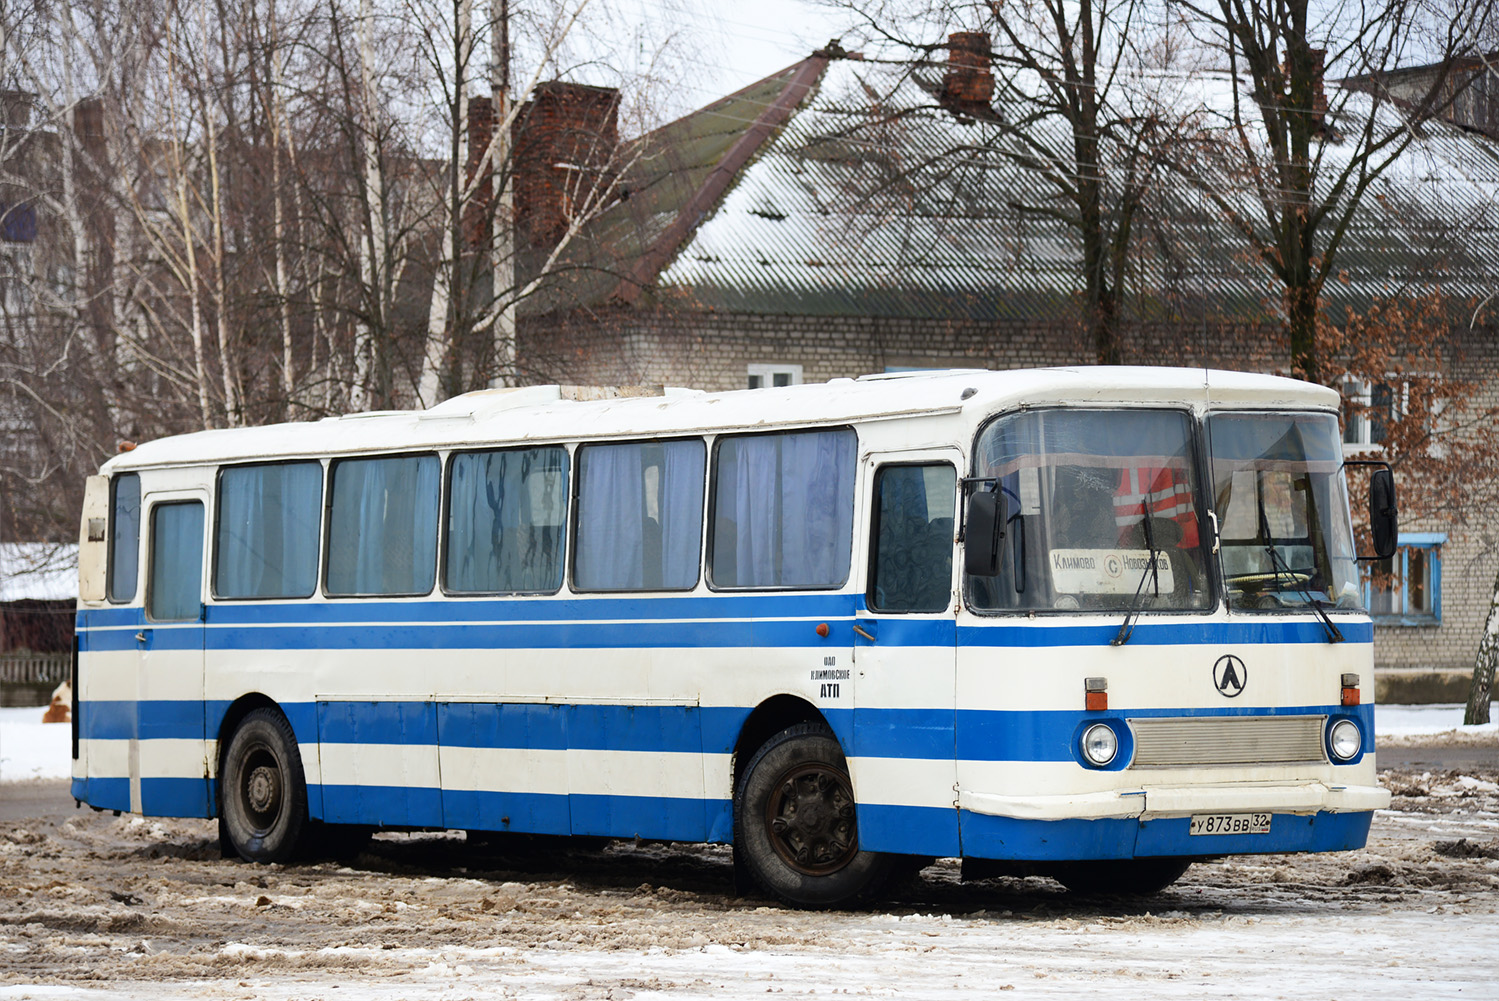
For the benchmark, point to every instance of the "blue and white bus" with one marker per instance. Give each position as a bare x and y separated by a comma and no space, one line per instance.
1093,623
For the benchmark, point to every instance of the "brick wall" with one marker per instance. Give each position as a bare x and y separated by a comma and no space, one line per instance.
713,351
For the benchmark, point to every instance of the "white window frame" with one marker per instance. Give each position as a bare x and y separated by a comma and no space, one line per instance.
1359,428
766,373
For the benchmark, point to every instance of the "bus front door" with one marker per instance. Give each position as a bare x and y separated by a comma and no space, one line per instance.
903,765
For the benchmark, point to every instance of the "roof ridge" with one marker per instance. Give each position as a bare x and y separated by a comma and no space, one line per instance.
649,265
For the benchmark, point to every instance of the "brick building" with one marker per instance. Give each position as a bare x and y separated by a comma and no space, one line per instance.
843,217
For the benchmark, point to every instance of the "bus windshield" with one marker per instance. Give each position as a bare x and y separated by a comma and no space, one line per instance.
1283,525
1102,512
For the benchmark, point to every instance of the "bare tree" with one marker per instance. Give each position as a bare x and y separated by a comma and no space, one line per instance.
1287,161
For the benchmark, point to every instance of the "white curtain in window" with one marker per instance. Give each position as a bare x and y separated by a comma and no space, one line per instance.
611,518
267,545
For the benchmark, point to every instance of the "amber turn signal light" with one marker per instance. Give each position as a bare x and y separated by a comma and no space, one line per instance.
1096,694
1350,689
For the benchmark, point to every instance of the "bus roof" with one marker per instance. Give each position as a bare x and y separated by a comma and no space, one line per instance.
542,413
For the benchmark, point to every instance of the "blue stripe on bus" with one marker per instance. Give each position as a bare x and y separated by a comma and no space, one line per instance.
746,621
391,806
177,797
986,836
531,813
909,830
122,719
942,734
1240,631
903,733
104,793
746,633
663,817
1050,735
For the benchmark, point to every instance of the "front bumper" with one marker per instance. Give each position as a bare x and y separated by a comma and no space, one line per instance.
1155,802
1154,822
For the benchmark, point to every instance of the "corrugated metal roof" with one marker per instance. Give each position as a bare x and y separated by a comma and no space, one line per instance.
873,200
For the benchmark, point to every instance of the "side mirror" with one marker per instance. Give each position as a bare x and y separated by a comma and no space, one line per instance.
1384,520
985,529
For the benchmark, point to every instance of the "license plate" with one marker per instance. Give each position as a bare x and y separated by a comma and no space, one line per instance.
1230,823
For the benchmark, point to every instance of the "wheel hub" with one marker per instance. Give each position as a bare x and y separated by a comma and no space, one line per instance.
811,819
263,789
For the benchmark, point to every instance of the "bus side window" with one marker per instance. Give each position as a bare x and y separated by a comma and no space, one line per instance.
507,511
789,498
382,526
266,536
176,585
640,516
124,536
911,565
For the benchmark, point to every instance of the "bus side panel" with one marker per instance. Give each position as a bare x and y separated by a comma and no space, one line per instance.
608,747
379,763
504,767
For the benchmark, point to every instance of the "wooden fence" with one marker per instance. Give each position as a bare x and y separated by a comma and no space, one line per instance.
27,668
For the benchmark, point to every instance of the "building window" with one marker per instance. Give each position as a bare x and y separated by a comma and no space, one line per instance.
1406,589
761,376
1369,408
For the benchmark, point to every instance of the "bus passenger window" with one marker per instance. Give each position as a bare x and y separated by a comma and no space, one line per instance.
640,516
382,526
266,539
911,570
506,517
175,592
124,536
783,509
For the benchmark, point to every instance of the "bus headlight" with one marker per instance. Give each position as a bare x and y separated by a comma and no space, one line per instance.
1345,739
1099,744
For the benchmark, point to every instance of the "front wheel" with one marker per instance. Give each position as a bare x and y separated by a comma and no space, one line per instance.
1125,877
264,798
795,822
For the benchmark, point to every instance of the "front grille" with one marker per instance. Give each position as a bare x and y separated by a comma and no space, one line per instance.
1228,740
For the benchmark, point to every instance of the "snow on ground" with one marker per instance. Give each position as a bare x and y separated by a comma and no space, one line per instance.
31,749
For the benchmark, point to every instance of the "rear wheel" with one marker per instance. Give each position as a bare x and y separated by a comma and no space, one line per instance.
795,822
264,793
1123,877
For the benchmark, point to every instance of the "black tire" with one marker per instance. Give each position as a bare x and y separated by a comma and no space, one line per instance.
795,824
1124,877
263,797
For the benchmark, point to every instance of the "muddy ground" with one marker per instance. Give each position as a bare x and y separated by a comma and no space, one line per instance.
92,900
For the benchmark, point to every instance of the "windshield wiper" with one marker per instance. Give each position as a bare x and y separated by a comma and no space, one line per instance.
1278,563
1127,628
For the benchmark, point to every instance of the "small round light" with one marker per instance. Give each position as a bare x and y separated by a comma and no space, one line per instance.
1345,739
1100,743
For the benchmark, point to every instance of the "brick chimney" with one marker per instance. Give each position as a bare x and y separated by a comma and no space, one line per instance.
968,84
476,214
565,138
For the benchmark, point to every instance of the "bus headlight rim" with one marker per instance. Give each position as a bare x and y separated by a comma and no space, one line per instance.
1099,745
1345,740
